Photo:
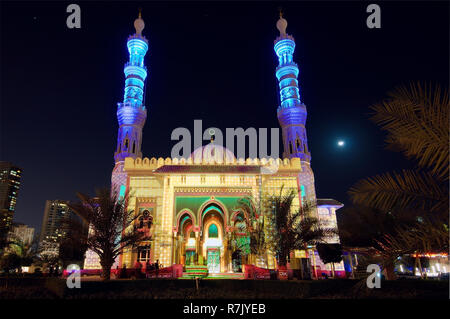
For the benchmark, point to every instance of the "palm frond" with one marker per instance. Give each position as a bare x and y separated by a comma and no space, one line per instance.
416,120
409,189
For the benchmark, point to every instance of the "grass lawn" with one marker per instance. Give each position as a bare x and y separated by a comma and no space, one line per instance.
55,288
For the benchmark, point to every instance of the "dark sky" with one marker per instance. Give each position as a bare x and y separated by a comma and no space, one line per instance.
209,61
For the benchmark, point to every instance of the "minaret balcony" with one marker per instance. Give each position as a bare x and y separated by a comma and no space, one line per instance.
284,37
129,64
130,115
293,115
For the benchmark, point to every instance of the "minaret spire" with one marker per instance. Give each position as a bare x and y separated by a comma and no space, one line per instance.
291,111
132,113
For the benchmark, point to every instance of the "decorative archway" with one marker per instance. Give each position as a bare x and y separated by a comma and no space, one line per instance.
220,207
186,243
213,243
181,213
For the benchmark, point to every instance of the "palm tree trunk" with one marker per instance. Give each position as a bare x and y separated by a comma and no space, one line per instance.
301,269
106,270
352,274
419,265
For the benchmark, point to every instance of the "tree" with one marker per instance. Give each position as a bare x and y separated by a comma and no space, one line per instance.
416,121
290,230
10,261
111,226
427,236
248,237
330,253
73,245
24,253
361,226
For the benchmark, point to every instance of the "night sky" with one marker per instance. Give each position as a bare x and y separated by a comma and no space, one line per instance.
209,61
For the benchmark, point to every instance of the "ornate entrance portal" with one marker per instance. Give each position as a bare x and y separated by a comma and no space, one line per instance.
213,238
213,260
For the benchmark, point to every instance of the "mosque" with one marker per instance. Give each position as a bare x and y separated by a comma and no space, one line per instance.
188,205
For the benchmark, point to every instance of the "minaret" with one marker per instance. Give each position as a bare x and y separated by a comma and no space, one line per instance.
291,111
132,113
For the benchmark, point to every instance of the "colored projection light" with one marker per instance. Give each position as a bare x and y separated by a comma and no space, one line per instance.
287,73
135,71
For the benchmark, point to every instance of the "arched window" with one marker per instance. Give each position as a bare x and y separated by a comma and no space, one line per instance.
297,143
213,232
134,147
126,144
290,147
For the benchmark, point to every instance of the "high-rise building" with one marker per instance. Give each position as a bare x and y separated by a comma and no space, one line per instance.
9,188
22,233
54,226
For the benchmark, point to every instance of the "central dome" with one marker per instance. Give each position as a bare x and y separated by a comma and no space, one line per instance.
212,153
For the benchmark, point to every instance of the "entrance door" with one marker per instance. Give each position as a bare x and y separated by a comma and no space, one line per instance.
213,260
236,259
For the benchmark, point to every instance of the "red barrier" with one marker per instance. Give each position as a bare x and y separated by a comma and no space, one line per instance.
174,271
253,272
282,273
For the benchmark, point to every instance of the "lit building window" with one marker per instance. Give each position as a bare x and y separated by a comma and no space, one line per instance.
144,253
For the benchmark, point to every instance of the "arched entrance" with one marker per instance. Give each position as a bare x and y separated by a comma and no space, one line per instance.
236,261
213,238
187,243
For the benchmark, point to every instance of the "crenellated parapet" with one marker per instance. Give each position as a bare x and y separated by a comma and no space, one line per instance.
153,163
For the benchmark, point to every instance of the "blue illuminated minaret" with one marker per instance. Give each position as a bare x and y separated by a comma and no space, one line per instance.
291,111
132,113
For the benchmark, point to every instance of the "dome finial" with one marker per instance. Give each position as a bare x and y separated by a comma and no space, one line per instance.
281,23
139,24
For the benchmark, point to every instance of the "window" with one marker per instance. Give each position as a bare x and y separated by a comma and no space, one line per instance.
302,194
144,253
134,147
213,232
290,147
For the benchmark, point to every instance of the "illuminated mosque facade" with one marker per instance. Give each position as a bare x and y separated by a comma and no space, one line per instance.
188,205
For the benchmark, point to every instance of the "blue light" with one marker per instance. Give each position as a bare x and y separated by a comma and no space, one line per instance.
291,111
132,113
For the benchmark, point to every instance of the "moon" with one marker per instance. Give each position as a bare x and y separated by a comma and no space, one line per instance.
341,143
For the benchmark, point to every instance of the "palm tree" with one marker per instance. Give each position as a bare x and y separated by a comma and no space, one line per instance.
253,226
290,230
427,236
416,120
111,228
